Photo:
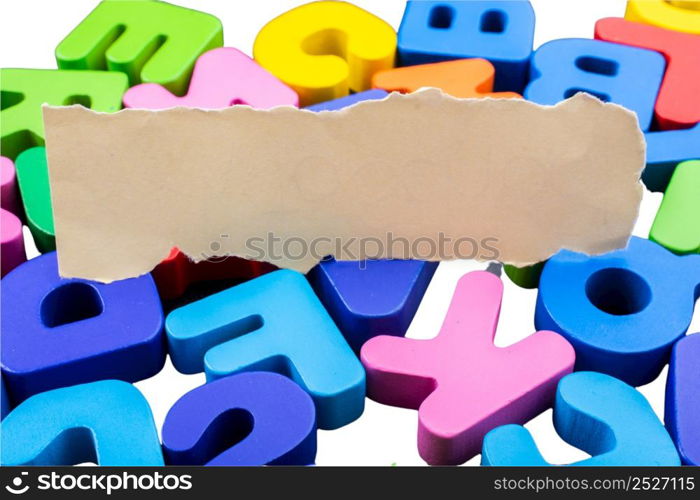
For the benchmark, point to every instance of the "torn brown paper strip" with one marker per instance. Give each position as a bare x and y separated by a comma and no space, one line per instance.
411,175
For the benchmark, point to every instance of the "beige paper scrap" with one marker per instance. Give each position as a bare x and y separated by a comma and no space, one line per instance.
423,175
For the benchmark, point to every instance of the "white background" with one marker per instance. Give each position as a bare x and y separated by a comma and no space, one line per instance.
29,33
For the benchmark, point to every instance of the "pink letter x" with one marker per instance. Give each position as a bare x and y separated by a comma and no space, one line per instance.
462,385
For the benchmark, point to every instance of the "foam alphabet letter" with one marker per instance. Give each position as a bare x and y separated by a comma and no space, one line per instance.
461,384
373,297
58,332
616,73
597,413
676,15
682,402
460,78
623,310
25,90
10,193
150,41
12,251
272,323
12,242
107,422
222,77
33,179
324,50
255,418
501,32
678,103
677,223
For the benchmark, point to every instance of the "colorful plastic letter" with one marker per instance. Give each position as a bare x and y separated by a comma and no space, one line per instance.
682,402
107,422
462,385
622,311
501,32
177,272
25,90
616,73
349,100
665,150
9,198
372,297
150,41
459,78
597,413
222,77
256,418
677,16
12,252
677,223
678,102
33,179
324,50
58,332
272,323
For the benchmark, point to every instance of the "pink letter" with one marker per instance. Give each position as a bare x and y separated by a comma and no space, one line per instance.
222,77
462,385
